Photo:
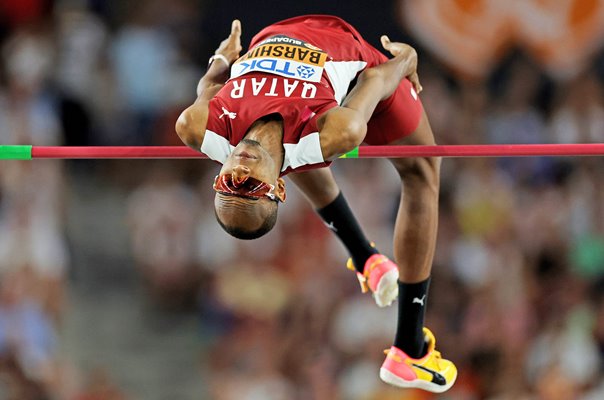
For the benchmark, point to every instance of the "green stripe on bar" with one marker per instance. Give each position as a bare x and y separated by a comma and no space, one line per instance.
15,152
351,154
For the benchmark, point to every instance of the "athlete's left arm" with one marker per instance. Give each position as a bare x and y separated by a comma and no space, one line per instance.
191,124
220,64
343,128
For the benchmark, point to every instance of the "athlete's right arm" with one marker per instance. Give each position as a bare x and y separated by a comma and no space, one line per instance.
191,125
343,128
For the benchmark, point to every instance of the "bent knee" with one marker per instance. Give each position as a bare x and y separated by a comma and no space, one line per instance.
424,170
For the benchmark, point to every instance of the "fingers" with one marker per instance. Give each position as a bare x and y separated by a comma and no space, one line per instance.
415,82
236,28
385,41
231,46
397,49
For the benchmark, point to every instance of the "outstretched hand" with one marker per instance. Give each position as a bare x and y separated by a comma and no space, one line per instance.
231,46
404,50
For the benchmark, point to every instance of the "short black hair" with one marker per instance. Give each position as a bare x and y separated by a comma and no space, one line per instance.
243,234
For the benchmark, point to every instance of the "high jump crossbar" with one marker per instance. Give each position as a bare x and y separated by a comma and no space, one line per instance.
28,152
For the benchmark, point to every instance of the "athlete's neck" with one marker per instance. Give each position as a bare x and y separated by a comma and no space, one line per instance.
270,136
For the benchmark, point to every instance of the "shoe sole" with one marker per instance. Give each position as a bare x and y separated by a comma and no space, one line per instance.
394,380
387,289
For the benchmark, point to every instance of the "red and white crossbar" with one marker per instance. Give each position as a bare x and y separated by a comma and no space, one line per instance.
27,152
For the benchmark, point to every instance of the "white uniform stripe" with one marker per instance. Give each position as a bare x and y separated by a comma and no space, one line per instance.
341,73
216,147
306,151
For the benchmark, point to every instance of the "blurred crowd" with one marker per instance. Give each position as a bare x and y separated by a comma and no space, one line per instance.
517,296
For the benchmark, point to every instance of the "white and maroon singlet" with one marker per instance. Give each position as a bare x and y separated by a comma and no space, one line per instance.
299,68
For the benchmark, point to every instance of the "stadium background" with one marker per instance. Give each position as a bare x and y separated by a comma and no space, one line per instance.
116,282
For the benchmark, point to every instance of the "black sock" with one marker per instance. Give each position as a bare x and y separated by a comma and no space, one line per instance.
412,299
339,218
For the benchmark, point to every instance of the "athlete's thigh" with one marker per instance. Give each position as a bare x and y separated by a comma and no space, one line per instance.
395,118
421,136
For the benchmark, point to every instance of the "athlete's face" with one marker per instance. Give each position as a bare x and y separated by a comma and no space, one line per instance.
240,206
251,159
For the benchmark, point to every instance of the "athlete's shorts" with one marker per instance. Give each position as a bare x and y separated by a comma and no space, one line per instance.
399,115
394,118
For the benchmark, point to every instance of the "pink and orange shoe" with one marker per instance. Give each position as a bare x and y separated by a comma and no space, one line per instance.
431,372
380,275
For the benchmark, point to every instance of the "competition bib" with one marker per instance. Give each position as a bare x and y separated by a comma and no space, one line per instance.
285,56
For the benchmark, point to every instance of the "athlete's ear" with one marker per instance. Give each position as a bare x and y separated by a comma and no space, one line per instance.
280,189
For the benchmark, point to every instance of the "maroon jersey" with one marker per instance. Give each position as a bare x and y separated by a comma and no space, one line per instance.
298,68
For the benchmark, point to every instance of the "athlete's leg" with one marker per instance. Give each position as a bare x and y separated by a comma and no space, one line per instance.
415,237
401,120
417,220
321,190
318,186
412,361
375,271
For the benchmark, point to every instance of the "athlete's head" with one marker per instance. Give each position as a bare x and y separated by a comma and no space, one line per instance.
248,190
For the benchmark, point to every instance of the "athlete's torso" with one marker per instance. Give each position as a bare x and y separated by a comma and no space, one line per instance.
298,68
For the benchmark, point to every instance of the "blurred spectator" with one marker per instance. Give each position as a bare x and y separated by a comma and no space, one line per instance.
245,365
579,116
15,385
17,14
28,116
81,74
30,239
99,386
515,118
143,56
32,193
161,217
26,333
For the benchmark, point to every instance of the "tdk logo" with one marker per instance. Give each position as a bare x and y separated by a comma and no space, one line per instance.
288,69
274,66
305,72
